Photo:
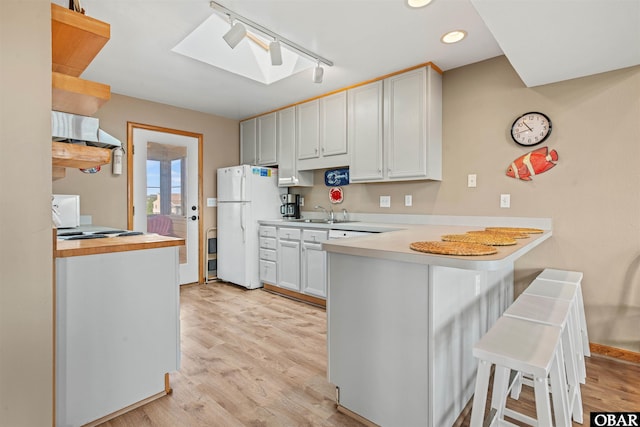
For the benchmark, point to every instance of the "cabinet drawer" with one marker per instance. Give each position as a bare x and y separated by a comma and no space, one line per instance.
289,233
315,235
267,231
267,243
268,272
268,255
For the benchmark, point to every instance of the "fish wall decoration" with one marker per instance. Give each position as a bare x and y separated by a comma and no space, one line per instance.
533,163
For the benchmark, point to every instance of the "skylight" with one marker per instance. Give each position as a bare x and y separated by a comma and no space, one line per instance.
249,59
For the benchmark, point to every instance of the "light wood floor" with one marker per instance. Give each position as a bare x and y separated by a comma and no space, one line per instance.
251,358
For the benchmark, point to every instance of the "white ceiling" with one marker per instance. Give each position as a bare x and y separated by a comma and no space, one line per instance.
545,40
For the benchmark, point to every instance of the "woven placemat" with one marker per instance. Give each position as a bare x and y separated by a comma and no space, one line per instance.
512,235
492,239
516,230
453,248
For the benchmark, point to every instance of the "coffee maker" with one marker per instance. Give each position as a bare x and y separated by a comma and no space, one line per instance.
290,207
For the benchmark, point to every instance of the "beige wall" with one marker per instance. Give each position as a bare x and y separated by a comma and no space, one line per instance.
104,195
592,195
26,297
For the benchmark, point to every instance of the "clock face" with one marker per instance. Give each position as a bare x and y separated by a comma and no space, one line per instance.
531,129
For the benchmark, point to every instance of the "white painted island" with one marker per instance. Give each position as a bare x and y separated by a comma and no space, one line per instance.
402,324
117,325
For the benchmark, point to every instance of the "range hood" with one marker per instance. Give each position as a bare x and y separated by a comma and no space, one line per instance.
77,129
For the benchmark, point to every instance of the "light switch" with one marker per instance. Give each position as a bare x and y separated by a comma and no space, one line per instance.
471,180
212,202
408,200
385,201
505,200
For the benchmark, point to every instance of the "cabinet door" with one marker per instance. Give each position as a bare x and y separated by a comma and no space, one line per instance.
289,264
286,144
248,141
333,124
267,151
314,270
365,135
268,271
308,130
406,124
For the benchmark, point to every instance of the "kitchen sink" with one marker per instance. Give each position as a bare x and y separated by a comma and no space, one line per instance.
321,220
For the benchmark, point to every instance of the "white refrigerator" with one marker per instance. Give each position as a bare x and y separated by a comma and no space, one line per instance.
246,194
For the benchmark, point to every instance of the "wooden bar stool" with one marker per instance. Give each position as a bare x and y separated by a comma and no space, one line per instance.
554,312
528,348
574,277
566,292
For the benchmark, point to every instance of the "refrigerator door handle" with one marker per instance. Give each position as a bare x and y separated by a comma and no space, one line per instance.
242,224
242,187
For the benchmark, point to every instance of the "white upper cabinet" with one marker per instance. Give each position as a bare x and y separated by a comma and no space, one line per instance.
258,141
267,140
308,130
248,142
364,110
404,140
413,125
288,174
322,132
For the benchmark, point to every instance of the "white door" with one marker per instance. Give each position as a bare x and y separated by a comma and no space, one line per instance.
166,191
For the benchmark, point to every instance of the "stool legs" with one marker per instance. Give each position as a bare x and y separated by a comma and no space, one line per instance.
480,396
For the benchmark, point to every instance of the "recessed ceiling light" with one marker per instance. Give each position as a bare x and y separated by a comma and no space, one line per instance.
453,36
418,3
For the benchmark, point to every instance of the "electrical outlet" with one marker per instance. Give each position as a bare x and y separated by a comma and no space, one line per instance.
505,200
301,201
385,201
471,180
408,200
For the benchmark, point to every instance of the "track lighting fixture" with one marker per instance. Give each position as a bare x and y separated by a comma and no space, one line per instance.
275,53
318,72
238,32
235,35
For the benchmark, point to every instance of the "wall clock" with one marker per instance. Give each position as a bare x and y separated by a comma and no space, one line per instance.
531,128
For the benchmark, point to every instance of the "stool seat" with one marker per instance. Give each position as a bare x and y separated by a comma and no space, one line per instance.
574,278
561,275
554,312
529,348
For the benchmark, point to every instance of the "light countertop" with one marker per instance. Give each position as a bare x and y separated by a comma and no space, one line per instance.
391,241
69,248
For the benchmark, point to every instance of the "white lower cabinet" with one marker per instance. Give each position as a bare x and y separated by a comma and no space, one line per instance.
289,258
268,255
293,259
314,263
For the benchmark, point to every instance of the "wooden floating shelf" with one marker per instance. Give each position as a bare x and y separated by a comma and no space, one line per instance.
76,39
77,96
68,155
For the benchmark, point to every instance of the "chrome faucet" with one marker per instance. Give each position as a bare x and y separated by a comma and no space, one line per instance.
329,214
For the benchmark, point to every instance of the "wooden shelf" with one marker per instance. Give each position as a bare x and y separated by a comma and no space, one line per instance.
78,156
77,96
76,39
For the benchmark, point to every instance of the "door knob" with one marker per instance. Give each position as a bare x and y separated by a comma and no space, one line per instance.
193,217
194,207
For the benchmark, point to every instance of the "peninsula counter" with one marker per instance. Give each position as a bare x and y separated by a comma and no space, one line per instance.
402,324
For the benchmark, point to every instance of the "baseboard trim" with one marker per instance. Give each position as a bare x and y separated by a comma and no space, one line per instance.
355,416
296,295
124,410
614,352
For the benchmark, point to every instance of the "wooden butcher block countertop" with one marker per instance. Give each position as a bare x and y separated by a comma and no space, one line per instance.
70,248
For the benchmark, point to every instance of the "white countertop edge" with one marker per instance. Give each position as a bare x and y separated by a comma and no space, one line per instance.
478,263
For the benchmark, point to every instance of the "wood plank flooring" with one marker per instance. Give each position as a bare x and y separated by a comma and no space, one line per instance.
251,358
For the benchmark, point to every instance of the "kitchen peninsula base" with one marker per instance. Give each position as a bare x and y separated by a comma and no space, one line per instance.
401,335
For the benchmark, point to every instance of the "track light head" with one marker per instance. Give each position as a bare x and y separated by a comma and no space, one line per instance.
235,35
275,52
318,72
